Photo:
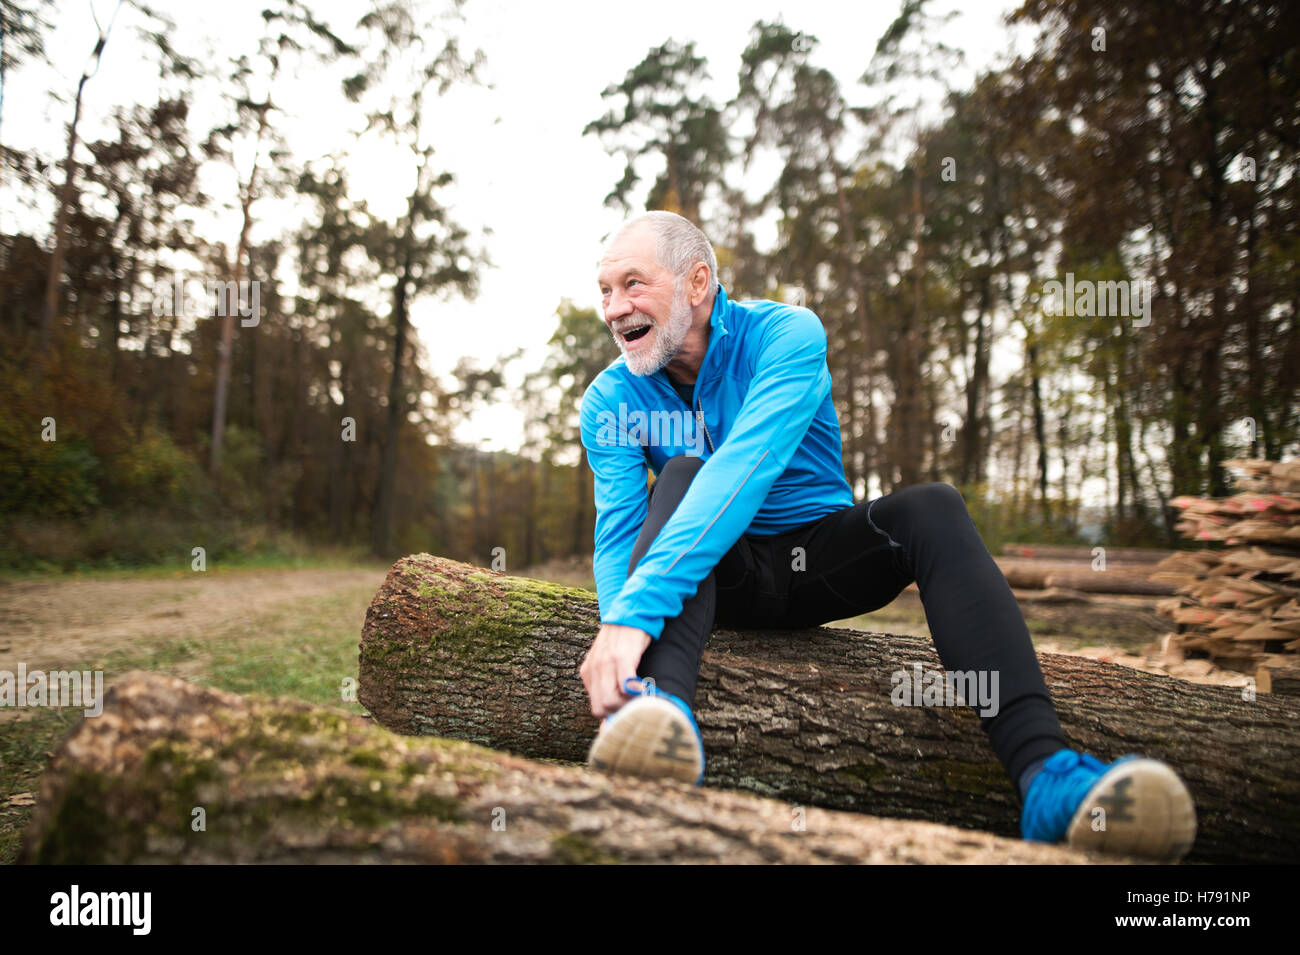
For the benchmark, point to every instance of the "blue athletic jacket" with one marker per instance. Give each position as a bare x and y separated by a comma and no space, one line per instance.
763,421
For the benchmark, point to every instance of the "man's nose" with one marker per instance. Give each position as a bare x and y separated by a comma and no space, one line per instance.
617,306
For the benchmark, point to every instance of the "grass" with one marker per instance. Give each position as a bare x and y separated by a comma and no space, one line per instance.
303,649
317,561
24,752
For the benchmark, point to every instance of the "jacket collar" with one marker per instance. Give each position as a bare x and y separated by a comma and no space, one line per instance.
717,327
721,305
717,331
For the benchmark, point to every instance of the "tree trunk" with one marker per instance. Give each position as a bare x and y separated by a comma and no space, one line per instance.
225,348
581,542
55,274
972,452
864,458
50,307
454,650
910,418
1040,429
286,782
381,535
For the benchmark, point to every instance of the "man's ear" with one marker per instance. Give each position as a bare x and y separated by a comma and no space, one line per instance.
699,284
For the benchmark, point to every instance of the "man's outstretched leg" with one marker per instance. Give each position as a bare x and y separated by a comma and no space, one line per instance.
1137,806
655,733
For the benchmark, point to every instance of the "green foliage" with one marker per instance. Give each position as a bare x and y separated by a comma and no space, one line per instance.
58,478
137,538
152,470
661,113
1002,519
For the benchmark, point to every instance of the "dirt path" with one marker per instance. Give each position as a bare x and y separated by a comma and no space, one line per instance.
57,623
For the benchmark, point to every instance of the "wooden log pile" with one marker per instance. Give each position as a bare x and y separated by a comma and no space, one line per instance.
1237,602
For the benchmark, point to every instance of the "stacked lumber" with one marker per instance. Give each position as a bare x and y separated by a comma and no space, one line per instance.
1238,604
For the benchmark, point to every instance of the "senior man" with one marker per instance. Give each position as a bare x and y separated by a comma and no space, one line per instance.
751,524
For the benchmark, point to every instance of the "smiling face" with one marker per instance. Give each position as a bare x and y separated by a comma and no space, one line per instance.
646,308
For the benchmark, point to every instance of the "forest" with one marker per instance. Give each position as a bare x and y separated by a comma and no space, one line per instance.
1069,288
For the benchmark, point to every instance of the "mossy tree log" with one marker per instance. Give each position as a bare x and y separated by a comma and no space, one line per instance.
286,782
458,651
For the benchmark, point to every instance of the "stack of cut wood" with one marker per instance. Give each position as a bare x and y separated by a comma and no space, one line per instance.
1239,604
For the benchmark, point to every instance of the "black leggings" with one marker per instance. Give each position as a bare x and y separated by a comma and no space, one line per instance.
855,561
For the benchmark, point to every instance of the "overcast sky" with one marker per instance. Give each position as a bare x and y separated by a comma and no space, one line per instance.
523,168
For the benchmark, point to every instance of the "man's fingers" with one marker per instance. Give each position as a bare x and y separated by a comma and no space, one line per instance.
613,687
608,665
602,697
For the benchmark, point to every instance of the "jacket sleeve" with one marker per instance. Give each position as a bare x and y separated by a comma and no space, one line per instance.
790,383
619,476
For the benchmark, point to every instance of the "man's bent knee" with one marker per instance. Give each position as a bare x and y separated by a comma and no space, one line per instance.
683,464
931,506
667,492
926,497
674,478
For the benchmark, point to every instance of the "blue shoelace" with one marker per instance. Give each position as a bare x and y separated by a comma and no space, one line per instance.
1057,792
649,689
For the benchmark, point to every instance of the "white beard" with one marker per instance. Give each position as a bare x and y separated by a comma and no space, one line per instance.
668,337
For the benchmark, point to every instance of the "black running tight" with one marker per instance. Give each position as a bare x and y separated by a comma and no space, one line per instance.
855,561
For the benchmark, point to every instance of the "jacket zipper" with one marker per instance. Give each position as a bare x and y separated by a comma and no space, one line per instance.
699,413
699,405
699,418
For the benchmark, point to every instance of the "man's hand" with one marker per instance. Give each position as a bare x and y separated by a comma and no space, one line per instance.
614,656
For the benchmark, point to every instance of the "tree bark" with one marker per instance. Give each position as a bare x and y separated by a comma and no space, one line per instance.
454,650
282,781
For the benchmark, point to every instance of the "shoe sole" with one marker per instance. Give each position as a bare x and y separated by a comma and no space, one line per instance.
1146,811
648,737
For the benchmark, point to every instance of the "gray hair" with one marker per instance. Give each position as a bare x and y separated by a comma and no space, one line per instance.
681,243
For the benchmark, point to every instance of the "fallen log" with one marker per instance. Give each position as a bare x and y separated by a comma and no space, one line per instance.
454,650
1115,579
1136,555
1109,582
1056,595
281,781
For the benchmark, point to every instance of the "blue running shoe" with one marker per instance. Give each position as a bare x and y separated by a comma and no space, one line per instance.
1133,806
654,735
